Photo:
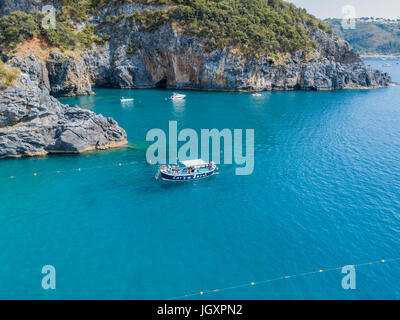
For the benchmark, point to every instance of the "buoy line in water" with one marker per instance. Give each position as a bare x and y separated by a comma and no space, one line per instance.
256,283
38,173
122,164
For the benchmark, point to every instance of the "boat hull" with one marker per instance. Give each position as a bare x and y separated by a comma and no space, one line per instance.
187,177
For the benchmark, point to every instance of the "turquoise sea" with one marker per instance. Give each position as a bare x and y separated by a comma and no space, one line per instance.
325,193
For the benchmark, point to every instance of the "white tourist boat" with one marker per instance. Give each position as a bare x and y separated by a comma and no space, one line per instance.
177,96
257,94
126,100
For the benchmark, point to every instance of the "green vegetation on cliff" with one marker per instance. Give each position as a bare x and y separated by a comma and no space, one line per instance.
370,37
19,26
7,75
251,26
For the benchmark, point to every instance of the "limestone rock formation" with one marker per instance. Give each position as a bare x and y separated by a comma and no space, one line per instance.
33,123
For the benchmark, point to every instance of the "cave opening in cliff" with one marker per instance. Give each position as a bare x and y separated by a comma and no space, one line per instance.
162,84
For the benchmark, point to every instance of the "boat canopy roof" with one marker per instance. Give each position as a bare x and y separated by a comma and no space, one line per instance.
194,163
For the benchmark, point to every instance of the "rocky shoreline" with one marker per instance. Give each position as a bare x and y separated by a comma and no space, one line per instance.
33,123
167,59
380,56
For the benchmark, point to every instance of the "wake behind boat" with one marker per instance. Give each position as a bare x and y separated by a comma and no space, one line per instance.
192,170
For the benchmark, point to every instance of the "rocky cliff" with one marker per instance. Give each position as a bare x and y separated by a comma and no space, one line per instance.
167,57
33,123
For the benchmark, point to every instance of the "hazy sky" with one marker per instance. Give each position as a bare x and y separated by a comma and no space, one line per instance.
364,8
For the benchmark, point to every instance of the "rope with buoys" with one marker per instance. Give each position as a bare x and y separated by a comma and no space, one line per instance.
249,284
255,283
116,165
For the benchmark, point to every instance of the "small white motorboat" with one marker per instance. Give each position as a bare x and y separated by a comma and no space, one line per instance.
257,94
177,96
126,100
